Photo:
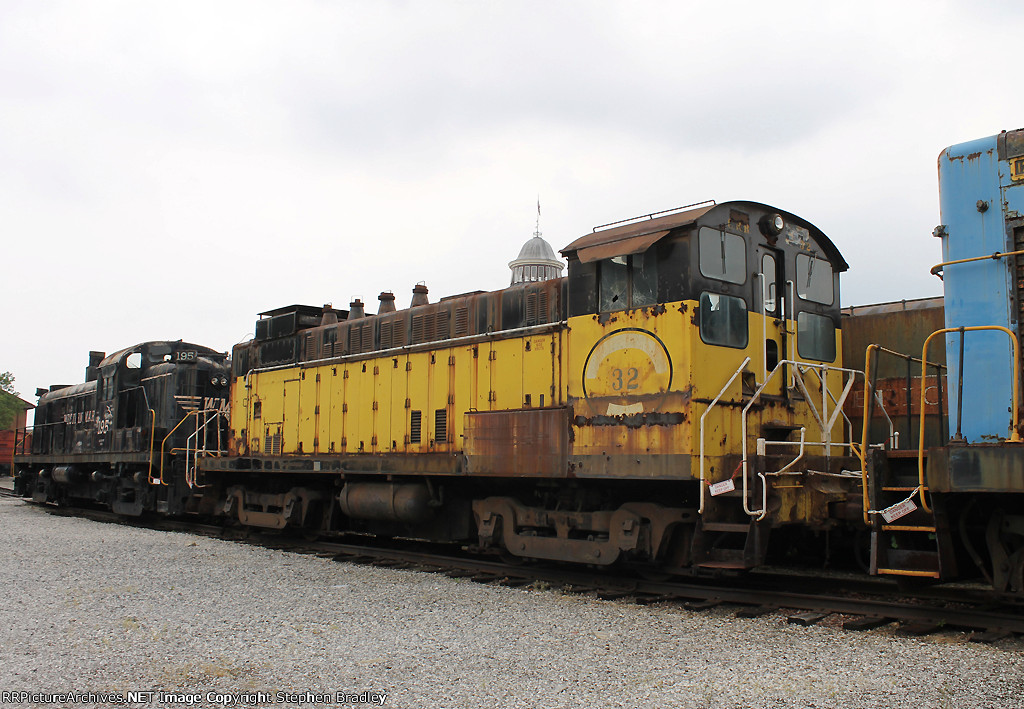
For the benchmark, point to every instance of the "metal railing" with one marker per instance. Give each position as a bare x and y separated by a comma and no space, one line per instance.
874,396
1014,406
204,418
739,370
939,268
825,419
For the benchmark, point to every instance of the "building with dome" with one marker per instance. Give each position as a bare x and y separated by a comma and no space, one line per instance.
537,260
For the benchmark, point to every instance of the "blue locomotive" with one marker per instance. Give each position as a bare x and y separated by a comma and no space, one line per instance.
957,503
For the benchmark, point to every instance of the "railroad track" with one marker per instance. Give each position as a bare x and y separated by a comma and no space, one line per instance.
864,603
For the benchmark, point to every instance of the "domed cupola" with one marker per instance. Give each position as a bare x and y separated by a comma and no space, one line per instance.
537,260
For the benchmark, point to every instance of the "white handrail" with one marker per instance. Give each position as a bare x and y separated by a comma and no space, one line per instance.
700,508
799,369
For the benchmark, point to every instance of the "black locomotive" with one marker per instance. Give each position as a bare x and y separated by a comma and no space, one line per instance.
127,437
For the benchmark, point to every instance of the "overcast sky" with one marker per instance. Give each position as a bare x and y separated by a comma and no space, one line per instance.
169,170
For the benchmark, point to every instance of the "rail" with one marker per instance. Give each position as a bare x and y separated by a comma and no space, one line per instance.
1014,435
200,427
938,269
192,452
872,394
825,421
714,402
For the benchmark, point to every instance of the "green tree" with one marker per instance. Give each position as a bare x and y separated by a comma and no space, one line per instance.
10,404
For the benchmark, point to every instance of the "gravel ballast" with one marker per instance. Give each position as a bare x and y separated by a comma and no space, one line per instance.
102,608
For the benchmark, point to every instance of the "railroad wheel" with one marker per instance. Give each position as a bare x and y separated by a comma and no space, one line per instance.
1005,538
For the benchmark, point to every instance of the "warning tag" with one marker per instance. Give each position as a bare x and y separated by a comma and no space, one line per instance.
900,509
722,487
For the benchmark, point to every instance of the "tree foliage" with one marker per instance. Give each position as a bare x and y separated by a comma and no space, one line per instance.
10,404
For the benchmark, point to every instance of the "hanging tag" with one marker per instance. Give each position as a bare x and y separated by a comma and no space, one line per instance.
900,509
722,487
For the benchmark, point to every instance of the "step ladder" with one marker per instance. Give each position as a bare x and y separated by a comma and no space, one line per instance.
916,544
729,546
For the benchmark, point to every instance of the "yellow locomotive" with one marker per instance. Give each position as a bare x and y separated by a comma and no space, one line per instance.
667,403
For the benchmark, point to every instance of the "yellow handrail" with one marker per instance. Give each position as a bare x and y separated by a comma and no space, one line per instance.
863,448
1014,436
152,439
937,268
169,434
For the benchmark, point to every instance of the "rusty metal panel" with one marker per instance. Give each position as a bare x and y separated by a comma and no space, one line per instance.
523,442
621,247
627,231
902,327
894,398
977,468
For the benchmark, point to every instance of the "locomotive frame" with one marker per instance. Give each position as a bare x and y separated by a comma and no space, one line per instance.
577,419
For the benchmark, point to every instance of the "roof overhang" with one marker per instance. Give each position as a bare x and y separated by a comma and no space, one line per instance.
638,236
632,238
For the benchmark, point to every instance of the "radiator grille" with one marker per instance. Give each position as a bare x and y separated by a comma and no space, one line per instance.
272,444
415,426
441,426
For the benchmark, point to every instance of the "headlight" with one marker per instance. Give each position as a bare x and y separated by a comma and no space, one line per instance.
214,381
223,381
772,225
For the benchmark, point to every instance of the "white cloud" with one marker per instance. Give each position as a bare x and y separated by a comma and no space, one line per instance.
170,170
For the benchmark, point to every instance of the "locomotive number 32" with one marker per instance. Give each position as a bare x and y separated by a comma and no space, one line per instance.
625,381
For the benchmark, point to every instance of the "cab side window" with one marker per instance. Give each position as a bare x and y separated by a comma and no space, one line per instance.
815,337
628,282
723,320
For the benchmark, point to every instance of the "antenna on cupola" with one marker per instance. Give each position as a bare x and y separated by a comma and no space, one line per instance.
537,260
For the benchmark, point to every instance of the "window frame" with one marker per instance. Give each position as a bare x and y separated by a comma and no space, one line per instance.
704,323
808,293
633,264
802,328
728,274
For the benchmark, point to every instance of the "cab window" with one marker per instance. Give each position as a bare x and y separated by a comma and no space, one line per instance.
815,337
723,320
723,256
814,279
628,282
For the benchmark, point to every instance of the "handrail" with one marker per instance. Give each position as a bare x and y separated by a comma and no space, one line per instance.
160,481
152,440
191,471
714,402
862,453
185,418
800,452
861,450
190,414
938,268
1014,435
799,368
764,324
